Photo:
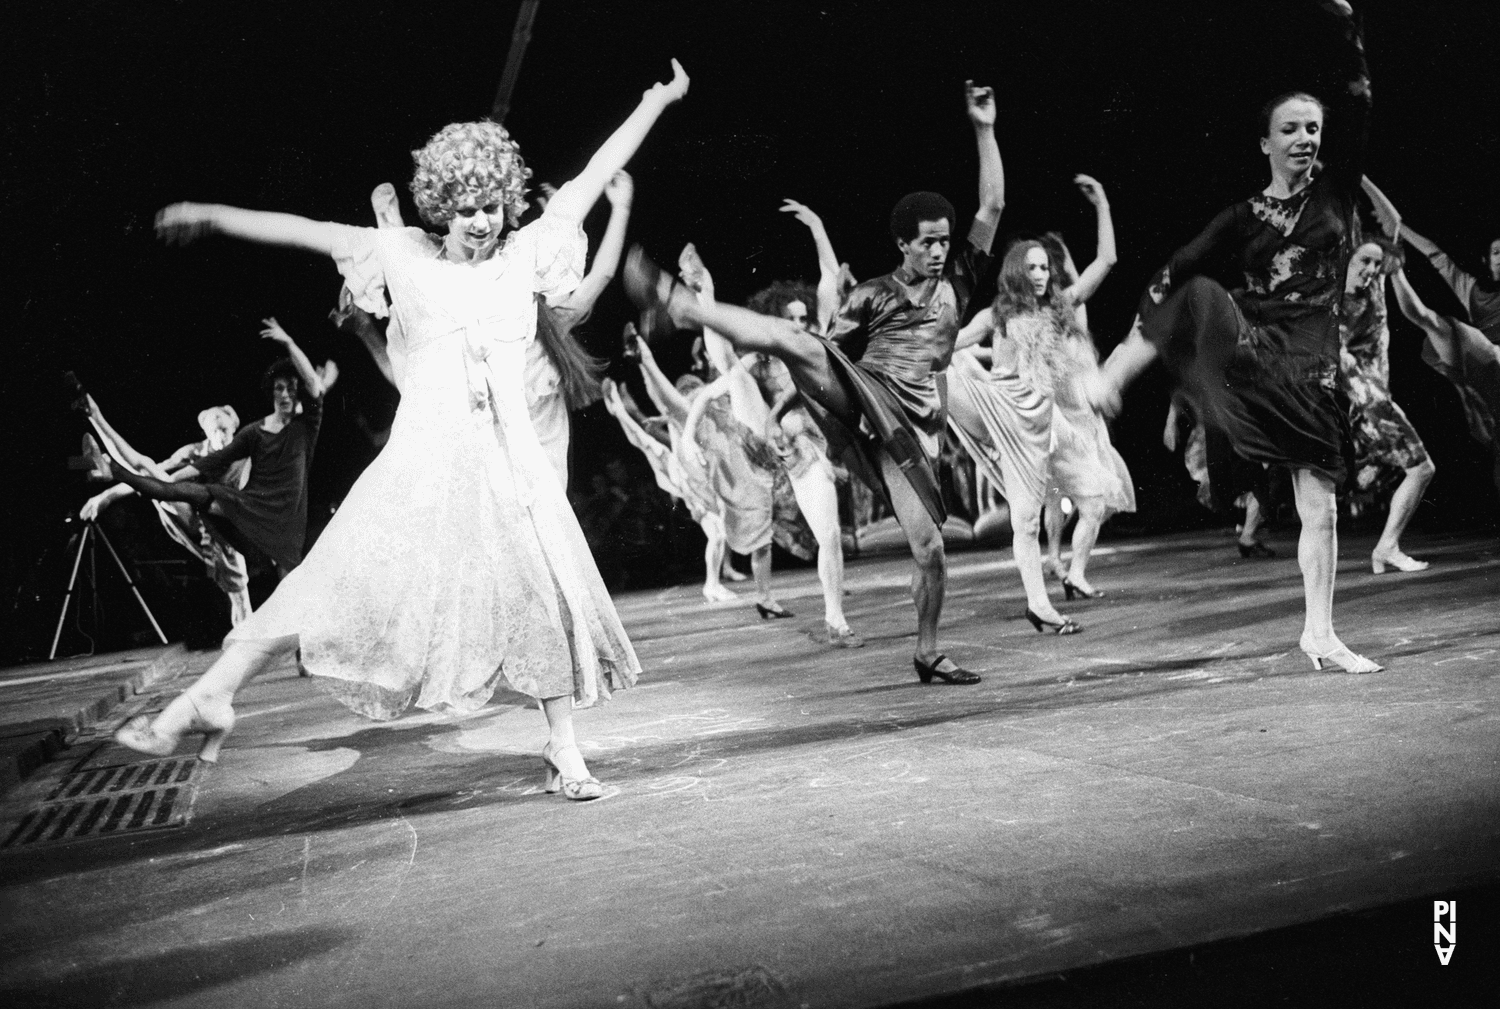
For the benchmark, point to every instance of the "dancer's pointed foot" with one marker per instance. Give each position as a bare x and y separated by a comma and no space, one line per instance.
567,773
1336,652
1381,559
660,296
185,714
718,594
100,468
843,637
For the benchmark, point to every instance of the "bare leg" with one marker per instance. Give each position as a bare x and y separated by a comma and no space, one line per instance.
760,568
1403,506
818,498
714,559
1317,554
1056,523
1085,535
1252,519
930,574
561,752
1026,524
146,486
207,705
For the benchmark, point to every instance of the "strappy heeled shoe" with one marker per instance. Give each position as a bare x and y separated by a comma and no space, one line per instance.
1256,549
779,613
652,290
1070,590
843,637
1397,560
957,674
577,789
142,734
1068,625
1348,661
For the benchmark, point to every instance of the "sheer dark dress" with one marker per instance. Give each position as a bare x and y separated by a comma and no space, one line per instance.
267,519
1260,362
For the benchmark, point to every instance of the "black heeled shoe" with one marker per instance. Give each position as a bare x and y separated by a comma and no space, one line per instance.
957,674
643,281
1255,549
780,613
1068,625
1070,590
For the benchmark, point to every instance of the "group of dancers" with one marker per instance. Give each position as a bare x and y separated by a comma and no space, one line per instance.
455,564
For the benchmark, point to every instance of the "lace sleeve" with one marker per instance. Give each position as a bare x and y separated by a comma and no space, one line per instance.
557,250
356,254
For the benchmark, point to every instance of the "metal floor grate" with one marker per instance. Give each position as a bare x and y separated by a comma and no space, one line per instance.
105,801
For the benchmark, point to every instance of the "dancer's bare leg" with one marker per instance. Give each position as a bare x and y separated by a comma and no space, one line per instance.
207,705
760,569
1085,534
561,751
818,498
1403,505
715,559
1055,521
1026,526
930,574
1252,519
1317,554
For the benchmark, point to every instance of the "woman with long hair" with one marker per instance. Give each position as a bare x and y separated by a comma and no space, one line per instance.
455,564
1261,363
1026,421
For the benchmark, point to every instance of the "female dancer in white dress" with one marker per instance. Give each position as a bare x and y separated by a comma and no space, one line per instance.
455,563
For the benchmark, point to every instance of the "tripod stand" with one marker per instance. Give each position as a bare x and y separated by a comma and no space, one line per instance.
90,530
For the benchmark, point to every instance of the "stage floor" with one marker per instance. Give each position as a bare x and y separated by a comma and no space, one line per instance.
788,825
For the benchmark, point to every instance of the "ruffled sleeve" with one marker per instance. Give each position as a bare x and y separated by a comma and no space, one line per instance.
557,250
356,254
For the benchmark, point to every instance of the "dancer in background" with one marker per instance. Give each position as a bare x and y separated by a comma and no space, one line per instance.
1262,363
766,400
1226,482
455,563
1468,355
879,376
183,522
1383,437
268,516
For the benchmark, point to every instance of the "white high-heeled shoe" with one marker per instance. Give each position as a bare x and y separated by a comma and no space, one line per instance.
1348,661
144,735
1397,560
577,789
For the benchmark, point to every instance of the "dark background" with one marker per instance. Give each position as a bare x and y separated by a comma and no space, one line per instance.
115,109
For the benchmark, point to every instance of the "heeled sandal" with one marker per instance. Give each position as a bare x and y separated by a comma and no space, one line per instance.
779,613
957,674
643,284
140,733
1070,590
843,637
1347,660
1256,549
1068,625
576,789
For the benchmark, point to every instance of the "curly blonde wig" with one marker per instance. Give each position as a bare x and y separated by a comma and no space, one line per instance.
469,157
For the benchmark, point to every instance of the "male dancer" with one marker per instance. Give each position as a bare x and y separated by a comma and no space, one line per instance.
879,378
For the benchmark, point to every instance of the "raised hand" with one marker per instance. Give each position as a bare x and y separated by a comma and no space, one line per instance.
329,373
620,189
1091,189
273,331
182,223
694,273
802,212
981,103
673,90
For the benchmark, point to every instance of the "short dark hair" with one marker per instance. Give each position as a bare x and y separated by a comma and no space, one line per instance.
914,208
282,367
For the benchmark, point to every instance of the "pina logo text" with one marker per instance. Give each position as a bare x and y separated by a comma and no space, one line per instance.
1444,936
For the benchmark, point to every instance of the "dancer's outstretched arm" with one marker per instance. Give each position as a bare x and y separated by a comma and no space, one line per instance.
1386,213
1414,308
619,191
662,392
1461,282
1104,254
182,223
313,379
981,107
977,330
573,200
828,263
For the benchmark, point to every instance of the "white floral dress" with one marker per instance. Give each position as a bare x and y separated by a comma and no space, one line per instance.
455,563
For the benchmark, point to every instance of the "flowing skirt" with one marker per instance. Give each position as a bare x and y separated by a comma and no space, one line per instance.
453,566
1016,439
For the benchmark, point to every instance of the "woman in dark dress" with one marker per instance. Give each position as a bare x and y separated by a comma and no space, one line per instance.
1261,362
